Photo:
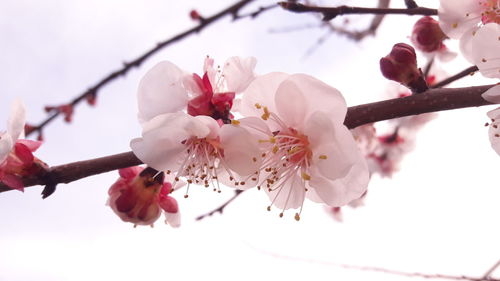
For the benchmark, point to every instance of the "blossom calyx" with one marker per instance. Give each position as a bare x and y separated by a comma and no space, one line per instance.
400,65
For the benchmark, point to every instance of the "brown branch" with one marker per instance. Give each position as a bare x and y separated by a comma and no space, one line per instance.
127,66
430,101
468,71
330,13
221,208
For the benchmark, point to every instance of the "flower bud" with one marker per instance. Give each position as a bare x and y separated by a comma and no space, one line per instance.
427,36
139,196
401,66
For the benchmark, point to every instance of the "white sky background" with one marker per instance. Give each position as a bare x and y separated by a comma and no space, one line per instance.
440,214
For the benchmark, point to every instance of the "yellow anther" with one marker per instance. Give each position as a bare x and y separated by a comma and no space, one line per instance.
272,139
235,122
294,150
258,106
306,176
266,114
323,157
455,25
275,149
254,159
297,217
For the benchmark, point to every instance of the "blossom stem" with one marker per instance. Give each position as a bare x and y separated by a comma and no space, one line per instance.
330,13
430,101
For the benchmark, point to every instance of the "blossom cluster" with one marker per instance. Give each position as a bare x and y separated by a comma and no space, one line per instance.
476,23
289,141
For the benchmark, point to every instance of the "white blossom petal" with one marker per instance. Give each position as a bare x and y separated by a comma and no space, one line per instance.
290,196
161,91
16,121
239,72
486,50
173,219
241,151
161,142
6,146
456,17
492,95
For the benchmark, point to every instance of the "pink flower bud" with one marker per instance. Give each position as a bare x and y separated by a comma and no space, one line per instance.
194,15
401,66
427,36
139,196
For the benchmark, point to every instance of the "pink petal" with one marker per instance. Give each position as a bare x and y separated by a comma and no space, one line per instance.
161,91
13,182
241,151
238,73
130,172
31,144
492,95
261,91
290,196
173,219
486,50
169,204
23,153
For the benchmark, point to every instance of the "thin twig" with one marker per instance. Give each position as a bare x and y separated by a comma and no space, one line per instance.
487,275
377,269
468,71
330,13
221,208
430,101
255,13
231,10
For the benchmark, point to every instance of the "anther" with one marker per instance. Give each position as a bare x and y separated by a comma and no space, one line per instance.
297,217
323,157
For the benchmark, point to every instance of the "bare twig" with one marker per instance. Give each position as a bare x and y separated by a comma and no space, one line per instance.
430,101
127,66
468,71
487,275
221,208
254,13
377,269
330,13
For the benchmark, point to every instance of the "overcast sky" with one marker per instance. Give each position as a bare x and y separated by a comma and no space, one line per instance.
439,214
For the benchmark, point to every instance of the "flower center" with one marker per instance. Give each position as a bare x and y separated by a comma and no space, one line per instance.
203,158
491,11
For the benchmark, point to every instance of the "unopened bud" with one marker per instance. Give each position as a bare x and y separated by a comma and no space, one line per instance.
427,36
400,65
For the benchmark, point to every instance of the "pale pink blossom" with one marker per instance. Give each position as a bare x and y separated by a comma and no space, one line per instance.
168,89
16,155
140,195
493,95
196,148
306,149
476,24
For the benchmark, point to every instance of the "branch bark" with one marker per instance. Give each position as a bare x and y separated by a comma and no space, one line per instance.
330,13
431,101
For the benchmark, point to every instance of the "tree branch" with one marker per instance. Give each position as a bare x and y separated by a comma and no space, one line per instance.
430,101
127,66
330,13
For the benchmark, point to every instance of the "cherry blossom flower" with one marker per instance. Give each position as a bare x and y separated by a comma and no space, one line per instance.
306,149
16,155
493,95
168,89
476,24
459,18
197,148
139,196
